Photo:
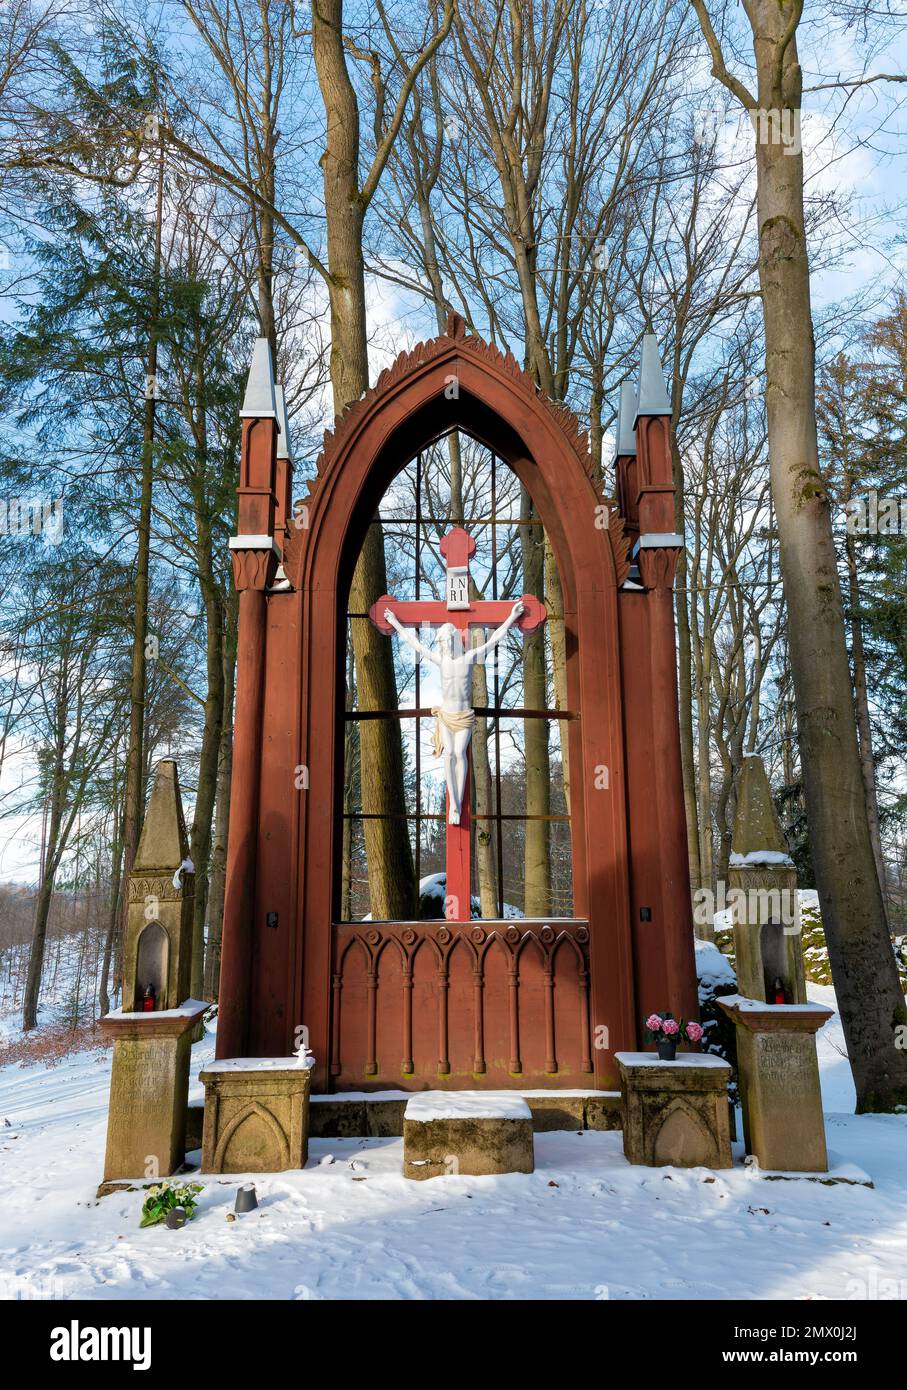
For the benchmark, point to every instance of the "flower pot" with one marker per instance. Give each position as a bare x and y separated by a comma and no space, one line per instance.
246,1198
667,1049
175,1218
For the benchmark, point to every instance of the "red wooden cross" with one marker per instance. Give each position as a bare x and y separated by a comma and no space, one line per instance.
457,547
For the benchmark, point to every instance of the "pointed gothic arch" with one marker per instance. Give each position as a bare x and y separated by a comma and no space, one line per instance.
284,852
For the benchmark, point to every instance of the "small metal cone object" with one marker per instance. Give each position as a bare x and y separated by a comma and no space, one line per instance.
175,1218
246,1199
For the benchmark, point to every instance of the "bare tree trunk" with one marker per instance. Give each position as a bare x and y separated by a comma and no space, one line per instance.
861,704
704,780
210,755
218,862
682,600
484,798
423,183
113,914
135,752
869,994
392,886
350,755
42,904
537,872
557,633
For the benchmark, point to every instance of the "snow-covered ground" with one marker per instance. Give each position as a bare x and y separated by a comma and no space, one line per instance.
585,1225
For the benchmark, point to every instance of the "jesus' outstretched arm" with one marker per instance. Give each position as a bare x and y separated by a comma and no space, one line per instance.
409,638
499,633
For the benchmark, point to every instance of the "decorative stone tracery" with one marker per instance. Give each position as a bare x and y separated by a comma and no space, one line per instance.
495,1032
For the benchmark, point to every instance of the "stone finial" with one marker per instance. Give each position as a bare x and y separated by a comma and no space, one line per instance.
259,402
757,829
653,398
284,447
163,843
626,435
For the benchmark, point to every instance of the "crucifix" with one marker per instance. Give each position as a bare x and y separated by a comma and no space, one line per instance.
455,658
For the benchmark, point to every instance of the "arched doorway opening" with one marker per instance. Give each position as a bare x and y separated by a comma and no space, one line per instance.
435,997
519,805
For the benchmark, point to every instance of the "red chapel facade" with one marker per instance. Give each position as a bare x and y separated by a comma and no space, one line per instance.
409,1005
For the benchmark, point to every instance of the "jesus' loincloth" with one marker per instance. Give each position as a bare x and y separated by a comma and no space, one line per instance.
454,720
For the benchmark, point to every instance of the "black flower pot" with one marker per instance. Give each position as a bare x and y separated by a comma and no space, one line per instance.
246,1198
667,1049
175,1218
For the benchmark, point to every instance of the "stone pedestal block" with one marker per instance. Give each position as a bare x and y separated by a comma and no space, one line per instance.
474,1132
149,1088
778,1076
675,1112
256,1115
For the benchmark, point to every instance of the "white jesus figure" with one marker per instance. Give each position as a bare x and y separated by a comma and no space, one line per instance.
455,717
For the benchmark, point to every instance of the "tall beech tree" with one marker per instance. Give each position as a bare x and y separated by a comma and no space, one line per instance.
869,993
72,643
347,197
348,193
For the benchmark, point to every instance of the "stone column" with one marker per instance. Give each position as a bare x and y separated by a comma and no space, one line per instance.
152,1033
149,1091
778,1075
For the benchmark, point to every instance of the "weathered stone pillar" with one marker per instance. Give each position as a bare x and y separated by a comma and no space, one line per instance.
778,1074
149,1091
152,1032
762,884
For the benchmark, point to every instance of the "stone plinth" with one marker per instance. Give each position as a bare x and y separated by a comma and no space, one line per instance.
474,1132
379,1114
778,1074
149,1087
675,1113
256,1115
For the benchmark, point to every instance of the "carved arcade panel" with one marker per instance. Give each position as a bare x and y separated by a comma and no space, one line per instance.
425,1003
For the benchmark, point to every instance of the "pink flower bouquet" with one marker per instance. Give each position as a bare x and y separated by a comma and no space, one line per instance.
666,1032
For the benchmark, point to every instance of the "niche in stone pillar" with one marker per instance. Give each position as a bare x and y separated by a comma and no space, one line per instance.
158,947
151,971
775,962
763,889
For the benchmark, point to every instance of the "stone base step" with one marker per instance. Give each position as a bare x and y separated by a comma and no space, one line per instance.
379,1114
